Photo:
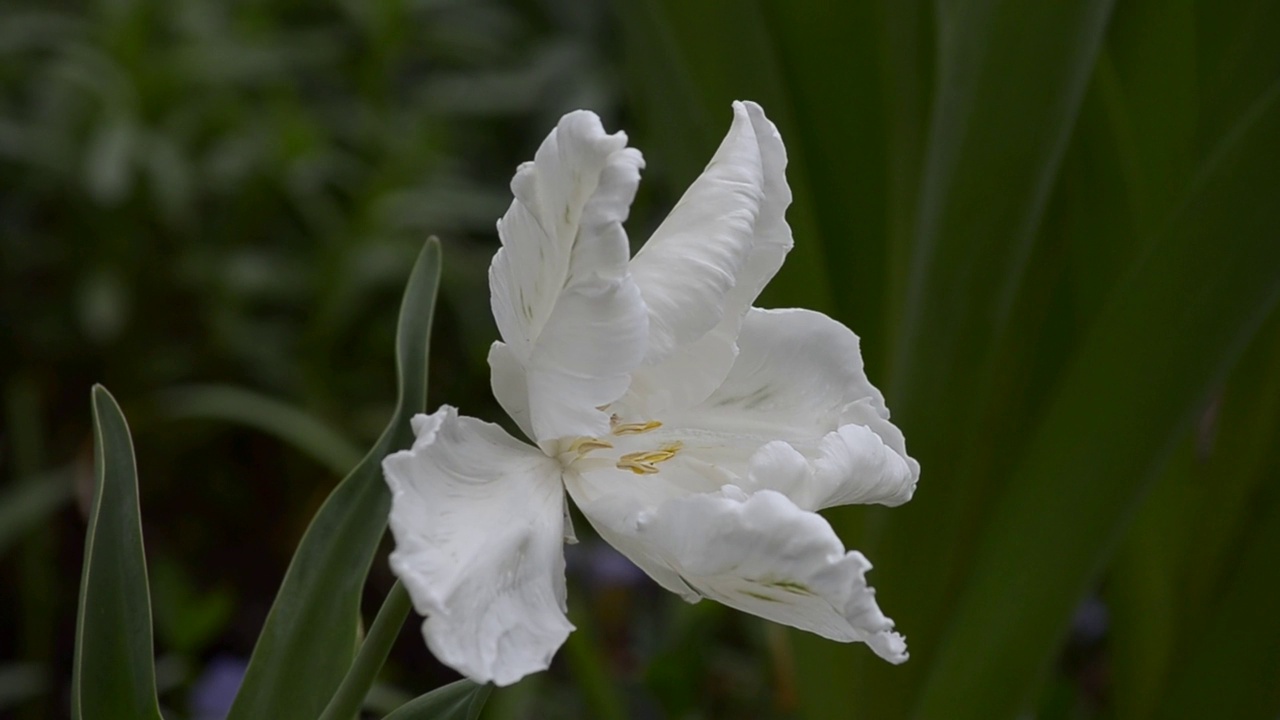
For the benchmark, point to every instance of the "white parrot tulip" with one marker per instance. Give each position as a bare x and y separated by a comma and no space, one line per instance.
699,435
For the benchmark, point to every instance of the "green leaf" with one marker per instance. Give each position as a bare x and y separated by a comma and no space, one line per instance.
349,698
461,700
585,657
1011,77
1009,83
1228,667
1168,334
310,636
1130,164
272,416
1188,552
690,61
114,673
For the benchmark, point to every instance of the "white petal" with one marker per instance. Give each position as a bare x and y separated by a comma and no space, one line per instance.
798,379
760,554
852,465
772,240
562,295
611,515
694,315
478,520
510,386
693,259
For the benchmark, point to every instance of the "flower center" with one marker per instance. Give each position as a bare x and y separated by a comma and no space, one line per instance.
640,461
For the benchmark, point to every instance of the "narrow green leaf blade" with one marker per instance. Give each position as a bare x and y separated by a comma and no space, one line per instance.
688,63
1008,87
114,673
1010,80
346,702
1129,166
253,409
1191,561
461,700
1229,667
309,640
1172,329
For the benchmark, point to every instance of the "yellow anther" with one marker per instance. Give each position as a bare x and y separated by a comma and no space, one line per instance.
639,468
645,463
635,428
584,445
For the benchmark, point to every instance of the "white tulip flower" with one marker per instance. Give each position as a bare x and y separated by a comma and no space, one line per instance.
697,434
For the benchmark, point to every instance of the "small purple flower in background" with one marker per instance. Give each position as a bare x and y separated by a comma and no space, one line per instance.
604,567
214,691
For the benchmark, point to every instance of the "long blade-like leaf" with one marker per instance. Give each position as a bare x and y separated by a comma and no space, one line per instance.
1186,561
309,639
350,696
1131,161
246,407
1170,331
114,675
690,61
461,700
1009,83
1236,678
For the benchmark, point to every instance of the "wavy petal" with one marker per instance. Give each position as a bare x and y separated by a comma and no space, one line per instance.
478,520
798,379
694,257
695,305
852,465
758,553
562,295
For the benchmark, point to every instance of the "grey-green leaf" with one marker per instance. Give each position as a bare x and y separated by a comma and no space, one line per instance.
461,700
310,636
114,671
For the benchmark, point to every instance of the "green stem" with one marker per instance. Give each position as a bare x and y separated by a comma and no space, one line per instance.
590,668
346,702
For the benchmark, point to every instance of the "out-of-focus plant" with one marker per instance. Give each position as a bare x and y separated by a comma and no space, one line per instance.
266,168
305,664
201,191
1061,219
1057,221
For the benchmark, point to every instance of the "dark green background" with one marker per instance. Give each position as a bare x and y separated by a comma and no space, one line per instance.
1055,225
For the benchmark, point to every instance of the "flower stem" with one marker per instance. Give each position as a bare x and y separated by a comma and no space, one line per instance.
346,702
590,668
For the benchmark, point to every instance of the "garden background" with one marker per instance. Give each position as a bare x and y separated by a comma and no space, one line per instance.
1056,227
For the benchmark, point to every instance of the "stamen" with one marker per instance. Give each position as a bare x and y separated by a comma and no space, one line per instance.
584,445
635,428
645,463
637,467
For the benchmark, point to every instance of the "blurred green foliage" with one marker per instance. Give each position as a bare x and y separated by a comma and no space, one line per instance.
1055,225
